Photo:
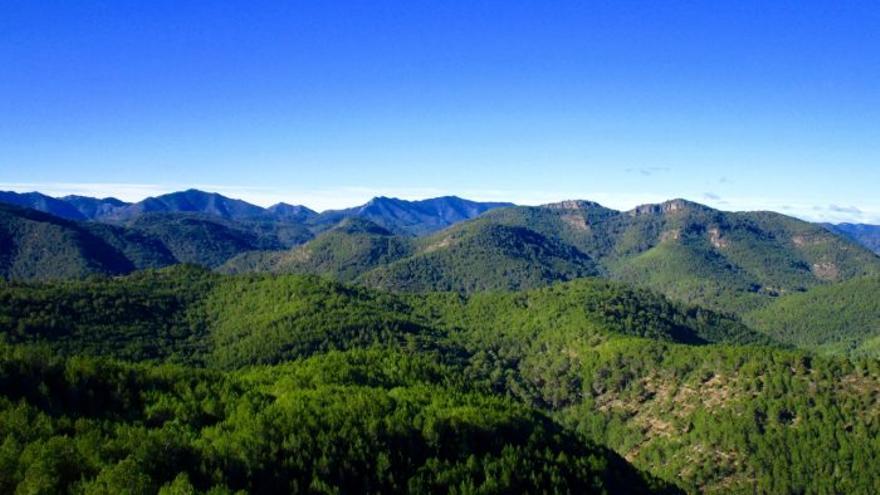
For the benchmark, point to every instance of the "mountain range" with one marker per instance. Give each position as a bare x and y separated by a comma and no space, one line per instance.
189,201
192,227
400,216
724,260
744,263
193,343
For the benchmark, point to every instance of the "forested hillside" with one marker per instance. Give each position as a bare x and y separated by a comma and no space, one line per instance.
211,241
734,262
209,229
39,246
839,319
101,427
525,385
483,257
731,261
344,252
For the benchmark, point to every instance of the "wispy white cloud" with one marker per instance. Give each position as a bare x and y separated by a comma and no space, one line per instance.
845,209
832,213
647,171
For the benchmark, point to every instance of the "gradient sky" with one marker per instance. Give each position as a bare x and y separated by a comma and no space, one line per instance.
740,105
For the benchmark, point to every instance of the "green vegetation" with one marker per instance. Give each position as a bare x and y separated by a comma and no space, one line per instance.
93,426
146,316
211,241
726,261
842,318
345,252
188,315
485,358
296,383
732,419
466,259
734,262
483,257
38,246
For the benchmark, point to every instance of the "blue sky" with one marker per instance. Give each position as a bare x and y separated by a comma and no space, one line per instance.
740,105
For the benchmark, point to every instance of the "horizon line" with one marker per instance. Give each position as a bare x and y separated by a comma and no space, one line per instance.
264,197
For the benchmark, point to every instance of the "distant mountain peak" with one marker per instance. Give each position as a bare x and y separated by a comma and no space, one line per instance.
671,206
286,211
108,199
573,204
407,217
42,202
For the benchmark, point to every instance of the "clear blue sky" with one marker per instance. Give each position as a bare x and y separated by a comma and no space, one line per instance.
741,105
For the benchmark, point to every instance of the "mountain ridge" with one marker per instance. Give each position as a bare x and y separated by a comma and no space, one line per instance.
732,261
865,234
402,216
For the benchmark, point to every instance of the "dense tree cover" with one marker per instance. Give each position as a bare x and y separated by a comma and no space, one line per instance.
210,241
485,257
363,422
345,252
724,260
187,314
842,318
39,246
140,249
148,315
300,383
733,419
734,262
481,257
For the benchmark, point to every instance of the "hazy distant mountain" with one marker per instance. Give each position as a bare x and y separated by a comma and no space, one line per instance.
410,217
866,235
38,246
399,216
94,208
191,201
41,202
287,212
111,209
